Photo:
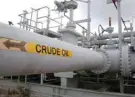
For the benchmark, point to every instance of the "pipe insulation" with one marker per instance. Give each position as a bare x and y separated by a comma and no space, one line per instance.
23,52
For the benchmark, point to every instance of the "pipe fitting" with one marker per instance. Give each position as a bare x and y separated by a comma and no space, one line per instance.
107,62
125,61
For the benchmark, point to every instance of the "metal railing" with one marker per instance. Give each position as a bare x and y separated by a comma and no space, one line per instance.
33,21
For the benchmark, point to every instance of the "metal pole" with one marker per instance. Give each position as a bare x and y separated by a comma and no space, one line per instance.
88,24
119,24
120,42
64,82
41,78
132,38
25,79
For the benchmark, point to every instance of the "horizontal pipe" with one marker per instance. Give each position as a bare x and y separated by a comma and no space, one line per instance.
40,58
106,42
114,35
31,61
81,21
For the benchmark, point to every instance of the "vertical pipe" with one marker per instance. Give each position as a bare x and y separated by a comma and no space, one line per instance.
119,24
71,15
88,24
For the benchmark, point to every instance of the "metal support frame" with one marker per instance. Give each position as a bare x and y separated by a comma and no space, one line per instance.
41,78
48,22
31,18
36,22
58,91
88,24
64,82
25,79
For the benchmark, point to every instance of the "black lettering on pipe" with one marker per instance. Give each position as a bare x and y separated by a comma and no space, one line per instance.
53,51
49,49
58,51
66,53
63,53
44,49
38,48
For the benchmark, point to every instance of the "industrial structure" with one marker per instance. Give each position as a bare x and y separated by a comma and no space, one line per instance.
64,56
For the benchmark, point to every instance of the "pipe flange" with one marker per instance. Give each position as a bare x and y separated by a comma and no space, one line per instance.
125,61
106,65
129,60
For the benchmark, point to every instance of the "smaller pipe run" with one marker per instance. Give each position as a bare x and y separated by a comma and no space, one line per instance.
114,35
